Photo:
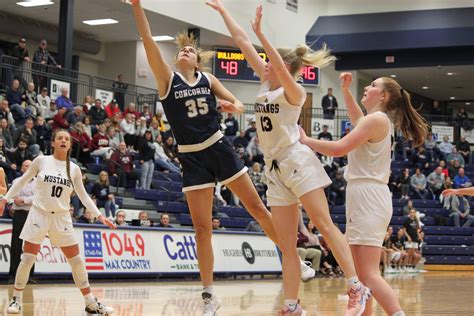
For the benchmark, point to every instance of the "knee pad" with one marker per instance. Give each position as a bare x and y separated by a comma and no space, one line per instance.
79,273
23,271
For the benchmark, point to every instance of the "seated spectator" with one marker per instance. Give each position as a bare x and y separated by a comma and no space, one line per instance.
6,134
254,151
143,220
89,129
59,120
431,148
241,140
51,111
43,102
325,135
444,170
97,113
405,147
398,245
112,108
140,127
337,195
128,127
258,179
101,194
149,116
155,128
305,253
171,150
161,159
216,224
445,147
14,98
461,180
251,132
64,101
86,218
254,226
453,169
81,144
232,127
132,109
464,149
411,228
146,151
454,155
29,99
121,166
87,104
406,209
5,112
8,166
120,219
460,209
28,133
392,183
328,165
389,255
436,181
77,115
418,184
43,135
165,221
115,137
71,212
100,144
329,264
420,159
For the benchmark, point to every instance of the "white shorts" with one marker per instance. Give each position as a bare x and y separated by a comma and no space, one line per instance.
394,256
299,172
57,226
368,212
411,245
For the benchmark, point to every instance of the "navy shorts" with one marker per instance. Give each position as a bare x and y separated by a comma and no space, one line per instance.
218,162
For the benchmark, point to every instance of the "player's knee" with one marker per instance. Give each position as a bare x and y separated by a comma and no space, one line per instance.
28,259
202,231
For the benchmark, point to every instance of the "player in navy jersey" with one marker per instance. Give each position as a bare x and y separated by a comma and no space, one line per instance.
189,101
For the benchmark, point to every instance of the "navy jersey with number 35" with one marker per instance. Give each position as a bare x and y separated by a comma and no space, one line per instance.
191,109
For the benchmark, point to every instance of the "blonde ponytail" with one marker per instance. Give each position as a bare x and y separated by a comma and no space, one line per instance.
203,57
302,55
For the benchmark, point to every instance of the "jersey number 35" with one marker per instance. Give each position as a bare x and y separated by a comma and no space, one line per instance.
197,107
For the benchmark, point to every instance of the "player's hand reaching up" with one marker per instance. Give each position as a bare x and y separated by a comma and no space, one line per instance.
216,5
227,106
107,222
346,80
257,22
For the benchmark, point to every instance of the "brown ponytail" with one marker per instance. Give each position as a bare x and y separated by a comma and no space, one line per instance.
405,116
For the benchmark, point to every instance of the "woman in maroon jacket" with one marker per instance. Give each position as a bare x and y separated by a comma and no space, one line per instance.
121,166
81,144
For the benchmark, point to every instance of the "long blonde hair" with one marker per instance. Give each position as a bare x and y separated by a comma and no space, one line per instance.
403,113
203,57
302,55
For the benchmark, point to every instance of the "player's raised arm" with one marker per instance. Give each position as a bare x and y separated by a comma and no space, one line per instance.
160,68
240,38
353,109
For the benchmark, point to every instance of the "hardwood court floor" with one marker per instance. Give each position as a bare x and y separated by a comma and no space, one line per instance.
432,293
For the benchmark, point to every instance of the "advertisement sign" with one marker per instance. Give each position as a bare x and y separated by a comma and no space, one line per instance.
104,95
56,86
317,126
439,131
151,251
468,134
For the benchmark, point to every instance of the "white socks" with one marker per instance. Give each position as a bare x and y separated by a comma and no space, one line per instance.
79,272
23,271
291,304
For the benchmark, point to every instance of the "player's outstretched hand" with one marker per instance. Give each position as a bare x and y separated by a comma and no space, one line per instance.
227,106
216,5
449,192
346,80
257,23
107,222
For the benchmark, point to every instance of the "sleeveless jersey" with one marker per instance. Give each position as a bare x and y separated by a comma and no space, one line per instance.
277,120
371,161
191,109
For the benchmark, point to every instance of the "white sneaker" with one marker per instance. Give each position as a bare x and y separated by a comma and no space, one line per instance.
211,304
307,273
99,309
14,307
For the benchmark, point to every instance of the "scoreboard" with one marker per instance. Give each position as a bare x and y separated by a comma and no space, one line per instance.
230,64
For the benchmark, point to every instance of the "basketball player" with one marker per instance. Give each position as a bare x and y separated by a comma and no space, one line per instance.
368,201
3,182
57,178
189,101
292,169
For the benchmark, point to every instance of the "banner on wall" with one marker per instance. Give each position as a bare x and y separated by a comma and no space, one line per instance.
105,96
468,134
151,251
439,131
345,124
318,123
56,87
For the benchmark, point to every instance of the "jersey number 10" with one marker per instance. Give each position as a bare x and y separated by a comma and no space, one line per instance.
56,191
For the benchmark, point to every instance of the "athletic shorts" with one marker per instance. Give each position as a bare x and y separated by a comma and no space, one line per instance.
368,212
293,173
411,245
394,256
218,162
57,226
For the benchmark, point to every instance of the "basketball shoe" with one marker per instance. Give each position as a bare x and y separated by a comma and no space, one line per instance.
97,308
211,304
14,307
307,273
357,300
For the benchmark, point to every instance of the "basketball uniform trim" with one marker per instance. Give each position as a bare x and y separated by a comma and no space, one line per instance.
201,146
208,78
169,87
199,186
198,79
235,176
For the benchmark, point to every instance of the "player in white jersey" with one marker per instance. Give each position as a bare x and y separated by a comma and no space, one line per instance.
368,199
57,179
292,169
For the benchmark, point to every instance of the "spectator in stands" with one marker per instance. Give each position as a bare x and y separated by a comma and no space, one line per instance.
101,194
411,228
121,166
5,163
258,179
71,212
100,144
131,109
86,218
418,184
254,151
328,164
431,148
43,135
64,101
59,120
120,87
159,119
149,116
89,129
112,108
81,144
436,111
128,127
5,113
464,149
389,255
216,224
171,150
460,209
325,135
338,189
41,59
5,134
165,221
254,226
398,245
97,113
241,140
162,161
461,180
406,209
329,105
454,167
305,253
251,132
444,170
141,127
454,155
21,153
405,147
29,100
115,137
143,220
52,110
43,102
75,116
21,52
436,181
445,147
420,159
232,127
120,218
155,128
87,104
14,98
462,115
28,133
146,151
